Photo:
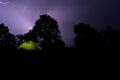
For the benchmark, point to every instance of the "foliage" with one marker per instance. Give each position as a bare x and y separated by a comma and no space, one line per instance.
6,39
46,32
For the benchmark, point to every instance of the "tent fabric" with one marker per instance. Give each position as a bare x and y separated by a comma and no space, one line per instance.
29,45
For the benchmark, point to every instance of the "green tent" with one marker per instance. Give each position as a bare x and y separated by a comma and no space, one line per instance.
30,45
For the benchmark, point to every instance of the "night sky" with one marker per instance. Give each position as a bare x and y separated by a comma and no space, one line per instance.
20,15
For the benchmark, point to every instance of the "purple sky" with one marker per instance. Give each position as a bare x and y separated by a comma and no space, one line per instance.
20,15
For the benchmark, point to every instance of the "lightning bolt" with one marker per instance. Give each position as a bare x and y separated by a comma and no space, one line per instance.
3,2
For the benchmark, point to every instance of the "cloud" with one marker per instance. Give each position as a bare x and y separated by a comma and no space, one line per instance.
23,13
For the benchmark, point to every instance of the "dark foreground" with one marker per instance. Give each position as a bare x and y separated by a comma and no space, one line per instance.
68,56
62,61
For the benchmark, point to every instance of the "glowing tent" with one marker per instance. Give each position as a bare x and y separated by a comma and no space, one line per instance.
29,45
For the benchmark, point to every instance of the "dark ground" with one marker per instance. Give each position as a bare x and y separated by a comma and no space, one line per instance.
67,62
57,56
59,59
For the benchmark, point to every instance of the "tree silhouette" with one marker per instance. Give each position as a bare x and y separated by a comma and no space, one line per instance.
112,37
7,40
88,37
59,43
80,31
19,39
45,31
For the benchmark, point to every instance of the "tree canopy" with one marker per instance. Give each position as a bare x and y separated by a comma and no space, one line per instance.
6,38
45,31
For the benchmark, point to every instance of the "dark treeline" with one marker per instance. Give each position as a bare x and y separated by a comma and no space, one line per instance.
46,32
89,38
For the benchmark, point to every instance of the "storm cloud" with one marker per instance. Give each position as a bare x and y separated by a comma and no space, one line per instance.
20,15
